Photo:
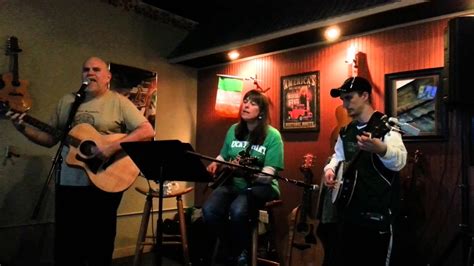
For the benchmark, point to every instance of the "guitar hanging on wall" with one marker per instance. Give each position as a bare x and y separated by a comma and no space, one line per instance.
12,89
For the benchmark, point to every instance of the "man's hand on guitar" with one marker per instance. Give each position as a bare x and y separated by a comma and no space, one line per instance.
22,122
105,152
374,145
329,178
17,120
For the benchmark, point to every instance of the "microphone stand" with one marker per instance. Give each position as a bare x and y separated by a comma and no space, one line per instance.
55,169
255,171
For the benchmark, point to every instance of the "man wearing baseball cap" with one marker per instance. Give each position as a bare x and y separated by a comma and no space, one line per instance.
352,84
373,202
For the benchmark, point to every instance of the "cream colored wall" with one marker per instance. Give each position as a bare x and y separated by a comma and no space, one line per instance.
56,37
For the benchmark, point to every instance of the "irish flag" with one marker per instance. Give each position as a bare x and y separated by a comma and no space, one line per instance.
229,94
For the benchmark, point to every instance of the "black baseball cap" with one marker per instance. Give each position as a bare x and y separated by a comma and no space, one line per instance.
352,84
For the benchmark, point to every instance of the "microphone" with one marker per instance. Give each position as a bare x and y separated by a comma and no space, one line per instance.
84,85
80,92
405,127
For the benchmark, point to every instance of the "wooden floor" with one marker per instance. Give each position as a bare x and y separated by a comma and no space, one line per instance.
148,259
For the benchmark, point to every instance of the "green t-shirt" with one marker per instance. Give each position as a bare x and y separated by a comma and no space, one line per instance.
270,153
110,113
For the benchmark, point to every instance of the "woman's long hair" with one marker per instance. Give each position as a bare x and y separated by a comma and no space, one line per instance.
258,135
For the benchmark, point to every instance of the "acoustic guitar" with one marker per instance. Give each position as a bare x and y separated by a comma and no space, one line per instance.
346,174
12,89
226,172
304,247
112,175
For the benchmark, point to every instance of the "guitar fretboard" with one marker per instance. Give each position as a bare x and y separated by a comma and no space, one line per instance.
58,134
42,126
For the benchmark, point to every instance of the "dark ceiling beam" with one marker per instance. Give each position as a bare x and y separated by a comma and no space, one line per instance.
154,13
379,21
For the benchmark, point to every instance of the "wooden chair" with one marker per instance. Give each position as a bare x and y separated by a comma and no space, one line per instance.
167,239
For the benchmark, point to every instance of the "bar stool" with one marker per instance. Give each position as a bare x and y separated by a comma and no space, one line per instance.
142,234
254,260
255,233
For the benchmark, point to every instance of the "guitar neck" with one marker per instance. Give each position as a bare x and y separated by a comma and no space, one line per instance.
307,193
14,70
306,204
42,126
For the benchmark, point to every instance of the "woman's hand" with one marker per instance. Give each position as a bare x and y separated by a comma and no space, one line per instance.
212,168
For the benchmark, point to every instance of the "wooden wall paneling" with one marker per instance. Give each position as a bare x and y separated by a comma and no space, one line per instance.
409,48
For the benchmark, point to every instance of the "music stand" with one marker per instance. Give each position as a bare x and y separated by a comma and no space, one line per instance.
166,160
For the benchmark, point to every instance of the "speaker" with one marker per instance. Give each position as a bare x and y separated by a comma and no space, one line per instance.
459,55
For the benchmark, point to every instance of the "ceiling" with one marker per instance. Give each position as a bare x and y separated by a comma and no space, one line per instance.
265,26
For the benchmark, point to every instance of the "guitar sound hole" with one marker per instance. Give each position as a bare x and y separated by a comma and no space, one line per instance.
88,148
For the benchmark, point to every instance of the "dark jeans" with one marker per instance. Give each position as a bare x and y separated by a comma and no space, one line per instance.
85,226
226,213
364,245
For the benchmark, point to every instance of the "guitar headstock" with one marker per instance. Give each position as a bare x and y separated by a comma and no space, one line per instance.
305,168
308,161
12,46
381,127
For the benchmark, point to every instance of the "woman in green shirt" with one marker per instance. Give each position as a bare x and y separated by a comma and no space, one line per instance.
226,209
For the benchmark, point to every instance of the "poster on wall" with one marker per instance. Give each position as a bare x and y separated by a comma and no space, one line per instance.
138,85
300,102
415,97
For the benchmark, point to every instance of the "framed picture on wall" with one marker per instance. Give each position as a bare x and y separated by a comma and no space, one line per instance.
139,85
415,98
300,102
